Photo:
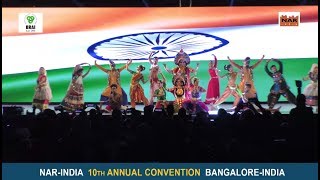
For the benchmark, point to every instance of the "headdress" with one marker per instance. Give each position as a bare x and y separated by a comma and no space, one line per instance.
182,56
112,63
227,67
313,66
77,69
178,78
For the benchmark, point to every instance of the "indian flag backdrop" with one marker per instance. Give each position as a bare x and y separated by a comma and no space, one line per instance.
74,35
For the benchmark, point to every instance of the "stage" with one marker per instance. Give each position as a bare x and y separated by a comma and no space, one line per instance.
285,108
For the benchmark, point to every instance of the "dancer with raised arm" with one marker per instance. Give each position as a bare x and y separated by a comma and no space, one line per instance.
136,90
182,59
246,72
153,77
231,89
160,94
311,90
74,97
280,86
113,78
43,93
213,90
195,105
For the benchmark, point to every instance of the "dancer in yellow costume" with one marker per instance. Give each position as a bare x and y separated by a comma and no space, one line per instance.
113,78
246,73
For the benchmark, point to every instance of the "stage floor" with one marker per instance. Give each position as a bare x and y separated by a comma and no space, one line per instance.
285,108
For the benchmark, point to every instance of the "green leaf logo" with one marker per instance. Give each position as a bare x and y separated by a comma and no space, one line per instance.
30,19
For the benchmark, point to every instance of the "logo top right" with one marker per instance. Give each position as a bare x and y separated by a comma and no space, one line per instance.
289,18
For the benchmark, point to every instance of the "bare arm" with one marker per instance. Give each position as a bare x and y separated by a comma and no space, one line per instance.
126,65
168,70
150,60
215,61
224,75
257,63
163,78
143,80
266,68
83,76
233,63
101,68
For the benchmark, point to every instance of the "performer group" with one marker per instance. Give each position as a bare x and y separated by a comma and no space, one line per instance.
184,87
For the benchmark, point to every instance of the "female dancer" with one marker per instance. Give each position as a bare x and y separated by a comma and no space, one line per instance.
179,92
182,59
280,86
74,97
43,93
113,78
195,104
231,88
153,77
213,91
136,90
246,73
160,94
311,90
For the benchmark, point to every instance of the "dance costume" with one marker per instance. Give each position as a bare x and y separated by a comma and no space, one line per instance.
43,93
246,73
213,90
311,90
136,90
231,89
113,78
195,104
182,59
74,97
279,87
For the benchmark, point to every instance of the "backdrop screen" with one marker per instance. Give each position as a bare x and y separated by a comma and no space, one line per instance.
60,38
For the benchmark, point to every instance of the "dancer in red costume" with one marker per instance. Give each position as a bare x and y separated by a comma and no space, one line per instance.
182,59
213,90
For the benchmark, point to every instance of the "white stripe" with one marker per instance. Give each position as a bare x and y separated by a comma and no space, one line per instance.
62,50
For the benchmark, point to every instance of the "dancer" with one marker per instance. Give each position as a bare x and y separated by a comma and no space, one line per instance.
311,90
231,89
74,97
195,104
179,92
246,72
153,77
114,99
160,94
43,93
280,86
182,59
136,90
113,78
247,98
213,91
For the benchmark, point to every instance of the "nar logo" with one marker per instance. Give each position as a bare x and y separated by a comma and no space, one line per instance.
30,22
289,18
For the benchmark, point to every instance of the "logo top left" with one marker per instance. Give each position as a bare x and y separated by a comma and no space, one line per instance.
30,22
